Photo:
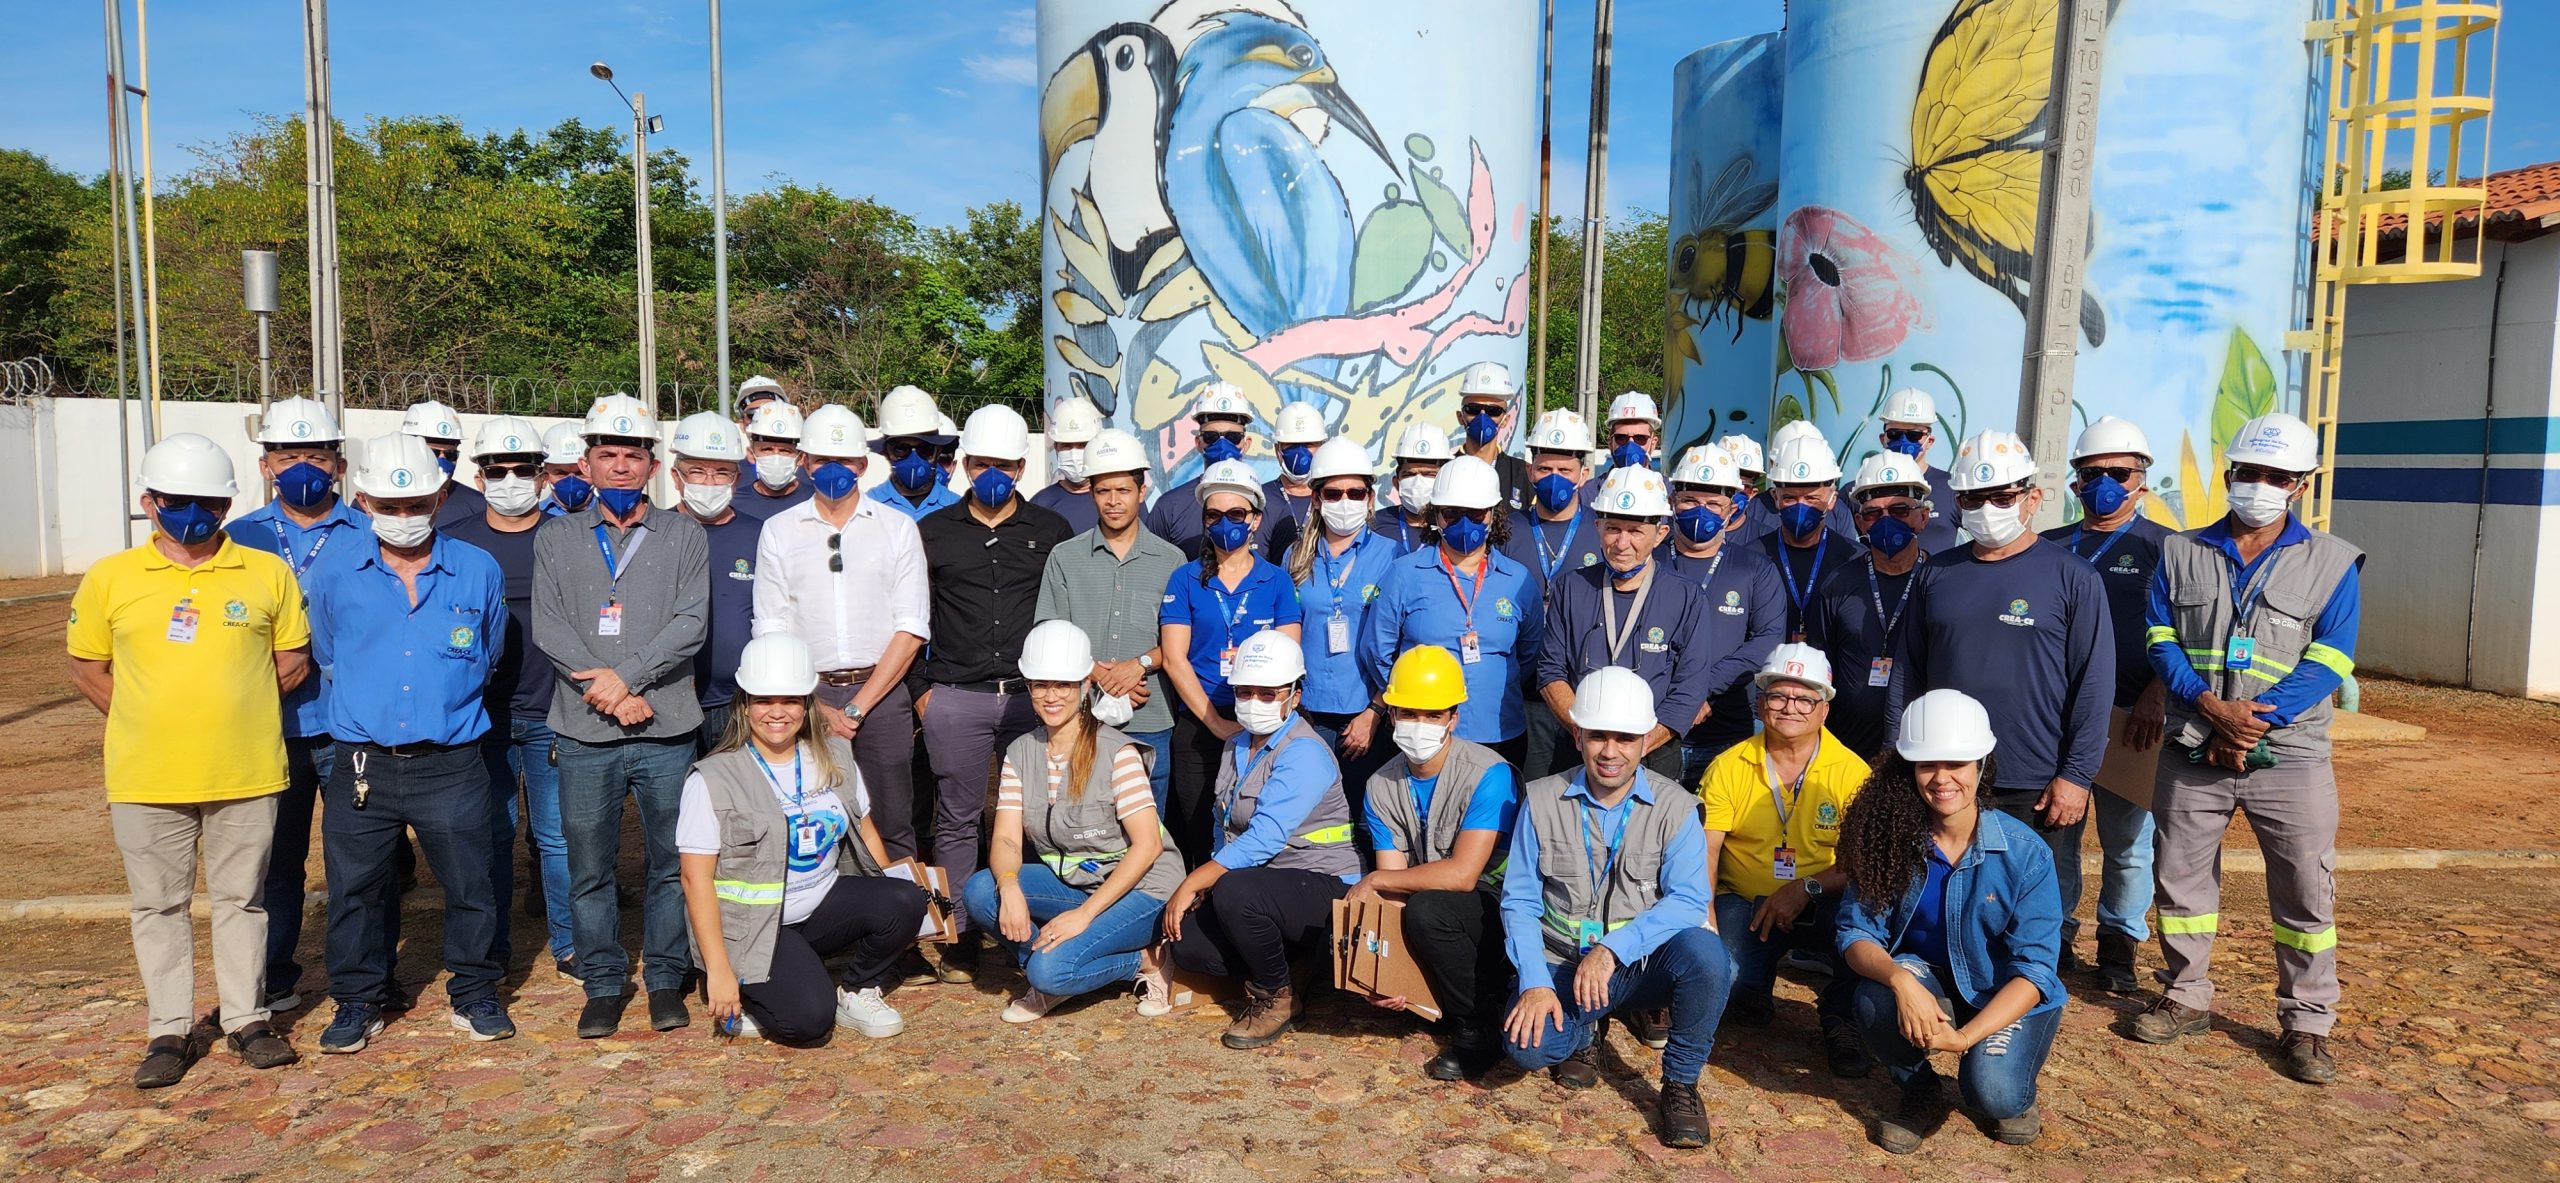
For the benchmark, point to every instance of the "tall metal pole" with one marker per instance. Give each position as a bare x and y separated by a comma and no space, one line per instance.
120,163
719,222
115,261
648,289
1595,193
320,212
2062,238
1546,183
150,224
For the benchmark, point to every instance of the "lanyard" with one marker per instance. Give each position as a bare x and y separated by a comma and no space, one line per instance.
1325,558
1713,565
2109,541
613,571
2257,573
1787,574
1554,561
1466,599
798,797
1604,875
1616,637
1786,806
302,564
1232,610
1404,531
1226,807
1876,590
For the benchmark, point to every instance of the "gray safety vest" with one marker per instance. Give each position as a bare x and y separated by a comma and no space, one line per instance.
1564,868
1080,837
1323,841
2296,584
1392,800
755,853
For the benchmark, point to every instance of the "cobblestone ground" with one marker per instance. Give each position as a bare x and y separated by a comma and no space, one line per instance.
2449,1057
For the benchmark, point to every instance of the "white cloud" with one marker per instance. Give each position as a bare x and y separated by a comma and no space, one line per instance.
1019,28
1016,69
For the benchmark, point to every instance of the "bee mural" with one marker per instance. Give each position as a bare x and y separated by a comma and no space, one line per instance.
1722,270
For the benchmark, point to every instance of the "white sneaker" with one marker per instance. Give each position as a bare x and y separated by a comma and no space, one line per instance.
1031,1007
866,1011
1155,996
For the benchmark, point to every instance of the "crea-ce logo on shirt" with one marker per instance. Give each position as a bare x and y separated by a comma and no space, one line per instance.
2017,615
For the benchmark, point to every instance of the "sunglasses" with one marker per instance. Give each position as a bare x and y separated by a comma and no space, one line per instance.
1233,437
2251,474
1471,410
901,449
1901,513
1616,439
1790,704
2123,476
835,553
1353,493
1448,515
1238,516
216,504
1898,435
2004,498
500,472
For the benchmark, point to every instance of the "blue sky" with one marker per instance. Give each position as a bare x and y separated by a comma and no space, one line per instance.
926,104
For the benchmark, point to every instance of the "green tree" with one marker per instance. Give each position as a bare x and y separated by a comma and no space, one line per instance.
47,206
1631,296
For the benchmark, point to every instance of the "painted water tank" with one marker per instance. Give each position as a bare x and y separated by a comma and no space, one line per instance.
1719,330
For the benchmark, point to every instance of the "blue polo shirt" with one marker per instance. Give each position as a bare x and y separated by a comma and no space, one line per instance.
733,595
2028,638
1661,642
344,527
1345,585
401,673
1420,605
1494,806
1553,550
1746,618
1221,619
1389,523
1067,503
520,688
889,494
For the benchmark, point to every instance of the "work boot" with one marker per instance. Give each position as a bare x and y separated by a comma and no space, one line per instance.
1748,1010
1901,1131
2167,1020
666,1009
2115,963
913,969
1471,1053
2069,963
259,1046
2016,1131
960,960
1581,1070
165,1061
1681,1116
1651,1028
2306,1057
601,1017
1267,1015
1846,1049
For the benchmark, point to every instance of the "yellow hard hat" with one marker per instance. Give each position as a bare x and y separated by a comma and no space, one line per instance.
1426,678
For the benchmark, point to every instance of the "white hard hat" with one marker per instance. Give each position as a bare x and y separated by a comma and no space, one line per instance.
1114,450
1299,423
2109,435
834,432
907,411
505,435
1560,430
1804,460
761,385
189,465
776,420
1708,467
996,432
1056,651
1909,405
1944,726
1990,460
1341,456
1487,377
1222,399
1630,493
620,416
943,425
1466,483
1268,658
1745,452
778,665
432,420
1075,420
1422,441
2277,441
563,444
1614,699
1231,476
1796,662
1889,470
397,466
298,421
1634,404
707,435
1795,429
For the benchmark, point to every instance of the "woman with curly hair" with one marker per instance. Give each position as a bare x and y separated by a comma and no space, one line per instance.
1953,920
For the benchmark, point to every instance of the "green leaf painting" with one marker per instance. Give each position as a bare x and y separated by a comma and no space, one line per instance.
2247,389
1394,247
1448,214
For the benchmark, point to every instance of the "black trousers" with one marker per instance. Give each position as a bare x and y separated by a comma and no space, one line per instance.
1255,920
1457,935
1189,811
875,918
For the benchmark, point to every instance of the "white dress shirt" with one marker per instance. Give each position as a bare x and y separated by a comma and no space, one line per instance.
847,616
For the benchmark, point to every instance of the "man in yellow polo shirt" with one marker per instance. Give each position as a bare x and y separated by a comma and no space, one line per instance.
186,643
1773,808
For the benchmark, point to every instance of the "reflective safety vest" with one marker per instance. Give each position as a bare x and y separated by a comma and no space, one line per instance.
755,853
1323,841
1080,836
2292,589
1391,797
1566,861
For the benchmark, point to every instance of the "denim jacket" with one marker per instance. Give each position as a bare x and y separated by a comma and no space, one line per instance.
2003,915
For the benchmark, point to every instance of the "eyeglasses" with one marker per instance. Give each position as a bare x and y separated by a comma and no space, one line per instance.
500,472
2251,474
1616,439
2004,498
1790,704
835,553
1238,516
1900,435
1903,512
1262,693
1349,493
2123,476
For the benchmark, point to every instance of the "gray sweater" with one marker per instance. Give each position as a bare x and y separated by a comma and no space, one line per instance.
665,595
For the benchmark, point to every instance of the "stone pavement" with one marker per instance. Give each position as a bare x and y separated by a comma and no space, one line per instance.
2449,1061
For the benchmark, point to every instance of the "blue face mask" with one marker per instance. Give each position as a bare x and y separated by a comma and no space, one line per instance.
1481,429
572,492
832,479
1631,572
1227,535
1555,491
304,485
621,501
1801,519
1221,448
916,472
993,487
1297,459
1908,446
189,524
1629,455
1698,524
1889,536
2104,496
446,463
1466,535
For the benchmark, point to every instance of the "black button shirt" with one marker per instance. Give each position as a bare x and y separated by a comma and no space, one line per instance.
986,588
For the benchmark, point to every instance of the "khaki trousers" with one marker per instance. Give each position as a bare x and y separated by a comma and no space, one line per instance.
2293,807
160,844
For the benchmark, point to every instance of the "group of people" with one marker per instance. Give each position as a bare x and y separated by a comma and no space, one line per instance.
1621,736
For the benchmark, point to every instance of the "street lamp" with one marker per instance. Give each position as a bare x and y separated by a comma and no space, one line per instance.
642,123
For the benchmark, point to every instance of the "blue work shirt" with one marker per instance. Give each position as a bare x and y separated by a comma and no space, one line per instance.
2125,561
1683,890
521,686
1221,618
755,501
1301,775
733,604
2002,915
1390,524
1340,682
2027,637
1801,568
1175,517
1494,806
1863,622
2312,681
1746,615
1662,642
403,674
1421,605
935,499
1075,505
1553,550
306,709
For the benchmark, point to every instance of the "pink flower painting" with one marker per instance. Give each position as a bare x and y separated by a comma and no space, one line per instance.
1849,293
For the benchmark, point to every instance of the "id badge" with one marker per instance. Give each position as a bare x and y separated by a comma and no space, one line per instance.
2243,653
805,837
1782,864
609,620
1880,672
1227,662
1337,633
1468,650
182,622
1588,934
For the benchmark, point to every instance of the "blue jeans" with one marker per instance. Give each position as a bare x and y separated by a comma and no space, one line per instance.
444,795
2125,838
1997,1075
1755,961
523,757
1160,773
2064,842
1105,953
306,768
594,779
1690,973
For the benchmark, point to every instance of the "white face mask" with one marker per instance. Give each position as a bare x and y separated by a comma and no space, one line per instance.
777,470
708,501
1345,517
1261,718
403,532
513,497
1113,710
1415,493
1994,526
1068,463
2256,503
1420,741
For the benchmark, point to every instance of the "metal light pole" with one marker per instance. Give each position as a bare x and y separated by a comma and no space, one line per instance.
320,213
642,123
1595,191
1546,180
258,295
719,221
2062,237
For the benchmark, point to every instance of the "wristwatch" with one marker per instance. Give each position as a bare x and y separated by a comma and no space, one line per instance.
1812,887
854,711
1147,661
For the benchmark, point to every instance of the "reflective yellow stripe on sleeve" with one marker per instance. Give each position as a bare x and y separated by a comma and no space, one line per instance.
2180,926
1328,836
751,894
2314,943
2329,656
2158,633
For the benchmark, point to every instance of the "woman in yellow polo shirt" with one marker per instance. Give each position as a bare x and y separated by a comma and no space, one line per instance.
1773,809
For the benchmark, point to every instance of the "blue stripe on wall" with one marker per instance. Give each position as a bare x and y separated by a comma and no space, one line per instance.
2449,486
2518,436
